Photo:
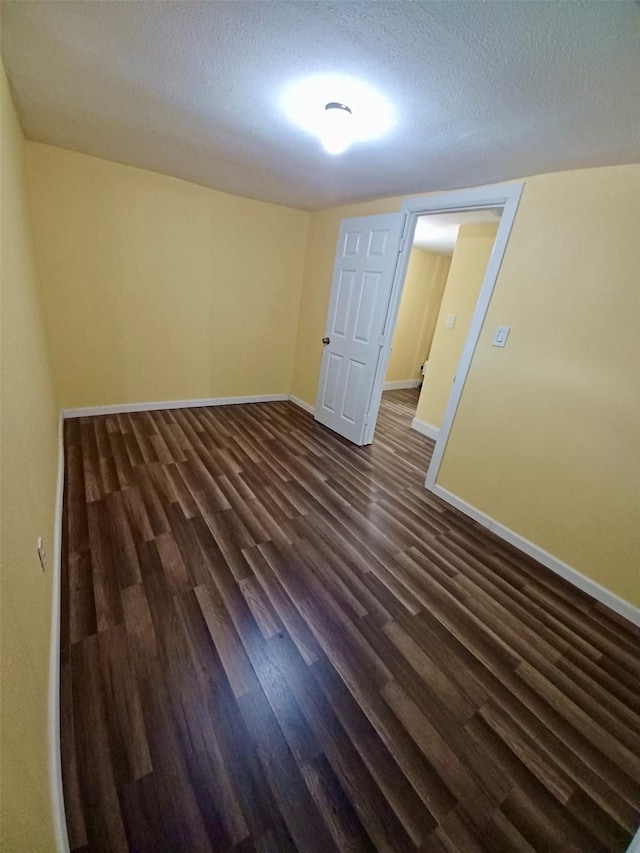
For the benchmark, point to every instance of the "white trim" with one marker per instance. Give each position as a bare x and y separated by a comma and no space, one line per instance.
400,384
302,405
55,764
634,847
425,428
120,408
591,587
505,196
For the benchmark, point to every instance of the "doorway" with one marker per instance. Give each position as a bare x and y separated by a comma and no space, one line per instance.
372,260
448,260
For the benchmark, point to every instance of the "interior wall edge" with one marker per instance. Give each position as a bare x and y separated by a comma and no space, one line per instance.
301,280
573,576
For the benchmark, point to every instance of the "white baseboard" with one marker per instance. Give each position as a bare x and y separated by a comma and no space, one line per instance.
424,428
121,408
301,404
634,847
401,383
55,763
591,587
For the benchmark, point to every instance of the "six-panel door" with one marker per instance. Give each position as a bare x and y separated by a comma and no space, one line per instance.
366,258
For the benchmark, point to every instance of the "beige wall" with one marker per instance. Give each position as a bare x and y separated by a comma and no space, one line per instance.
158,289
421,296
468,266
29,449
546,439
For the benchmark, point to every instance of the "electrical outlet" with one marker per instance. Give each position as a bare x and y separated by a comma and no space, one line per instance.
42,554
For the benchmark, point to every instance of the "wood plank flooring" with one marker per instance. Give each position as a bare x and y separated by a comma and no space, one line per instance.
276,641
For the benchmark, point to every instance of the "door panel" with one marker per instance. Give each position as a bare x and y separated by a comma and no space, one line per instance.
355,376
332,380
345,287
366,307
366,259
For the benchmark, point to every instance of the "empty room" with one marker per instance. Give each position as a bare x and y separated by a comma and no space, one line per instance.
320,426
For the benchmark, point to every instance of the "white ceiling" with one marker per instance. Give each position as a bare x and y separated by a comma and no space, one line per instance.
484,91
438,232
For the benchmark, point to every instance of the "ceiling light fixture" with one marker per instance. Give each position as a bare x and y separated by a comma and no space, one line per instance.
339,111
337,132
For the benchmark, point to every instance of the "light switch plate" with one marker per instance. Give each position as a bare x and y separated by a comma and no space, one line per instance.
451,321
501,335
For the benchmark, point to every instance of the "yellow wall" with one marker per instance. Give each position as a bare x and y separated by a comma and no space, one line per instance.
158,289
546,439
468,266
28,444
421,296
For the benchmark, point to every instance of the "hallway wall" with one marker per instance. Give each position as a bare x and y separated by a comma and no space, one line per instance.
466,273
421,297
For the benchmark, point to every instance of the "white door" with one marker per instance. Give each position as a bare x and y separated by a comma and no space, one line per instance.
366,259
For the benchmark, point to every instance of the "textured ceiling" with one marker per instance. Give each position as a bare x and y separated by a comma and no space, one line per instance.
484,92
438,232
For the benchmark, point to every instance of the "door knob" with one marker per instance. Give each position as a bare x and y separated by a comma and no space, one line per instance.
326,341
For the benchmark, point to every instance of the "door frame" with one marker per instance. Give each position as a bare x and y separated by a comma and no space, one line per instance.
506,196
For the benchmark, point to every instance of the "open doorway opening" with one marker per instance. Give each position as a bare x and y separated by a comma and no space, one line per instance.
371,262
503,199
447,265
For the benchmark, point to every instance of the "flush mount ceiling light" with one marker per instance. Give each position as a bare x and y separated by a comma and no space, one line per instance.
336,134
337,110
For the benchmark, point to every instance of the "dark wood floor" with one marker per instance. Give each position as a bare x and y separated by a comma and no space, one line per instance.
276,641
